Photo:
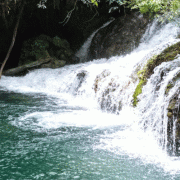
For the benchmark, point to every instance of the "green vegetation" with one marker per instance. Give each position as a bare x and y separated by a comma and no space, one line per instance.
142,75
168,54
34,49
94,2
138,91
39,49
172,83
167,8
169,86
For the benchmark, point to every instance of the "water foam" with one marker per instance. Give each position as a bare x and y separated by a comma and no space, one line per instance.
62,83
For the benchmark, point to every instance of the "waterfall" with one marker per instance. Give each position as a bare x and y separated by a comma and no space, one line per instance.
154,102
106,86
82,53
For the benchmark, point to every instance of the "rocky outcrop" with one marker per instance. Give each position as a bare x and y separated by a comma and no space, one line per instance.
118,38
43,52
168,54
173,110
43,47
173,115
107,100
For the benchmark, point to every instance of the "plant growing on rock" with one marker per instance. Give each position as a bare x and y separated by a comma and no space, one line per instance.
39,49
168,54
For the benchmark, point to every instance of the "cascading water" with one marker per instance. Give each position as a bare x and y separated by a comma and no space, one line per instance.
82,53
78,122
154,103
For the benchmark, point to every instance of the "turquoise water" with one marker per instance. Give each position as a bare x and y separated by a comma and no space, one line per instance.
52,125
32,151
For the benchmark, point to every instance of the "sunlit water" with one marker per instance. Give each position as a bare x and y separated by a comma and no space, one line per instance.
52,125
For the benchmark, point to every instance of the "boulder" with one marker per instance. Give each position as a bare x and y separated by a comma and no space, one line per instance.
119,37
168,54
108,101
43,47
80,78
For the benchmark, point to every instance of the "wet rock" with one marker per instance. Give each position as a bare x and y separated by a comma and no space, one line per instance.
169,54
100,78
80,78
108,101
75,59
118,38
173,115
174,123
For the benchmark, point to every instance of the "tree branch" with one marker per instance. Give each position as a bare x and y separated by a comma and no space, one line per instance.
13,39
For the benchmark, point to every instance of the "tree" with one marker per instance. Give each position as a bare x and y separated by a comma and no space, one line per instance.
167,9
13,38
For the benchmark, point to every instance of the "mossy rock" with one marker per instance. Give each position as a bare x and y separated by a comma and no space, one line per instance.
169,86
43,47
172,105
142,75
167,55
172,83
61,43
58,63
34,49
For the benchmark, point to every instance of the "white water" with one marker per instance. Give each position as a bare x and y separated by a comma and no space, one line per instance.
83,51
120,73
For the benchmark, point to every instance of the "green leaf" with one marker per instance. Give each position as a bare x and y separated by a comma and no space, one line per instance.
94,2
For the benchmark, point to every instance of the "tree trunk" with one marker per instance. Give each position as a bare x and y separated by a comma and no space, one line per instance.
13,39
21,70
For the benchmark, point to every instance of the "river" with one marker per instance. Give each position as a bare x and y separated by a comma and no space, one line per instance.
53,124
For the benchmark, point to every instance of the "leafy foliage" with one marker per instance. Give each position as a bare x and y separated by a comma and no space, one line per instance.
94,2
166,8
39,49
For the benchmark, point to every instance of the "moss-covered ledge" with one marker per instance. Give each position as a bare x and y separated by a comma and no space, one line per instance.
168,54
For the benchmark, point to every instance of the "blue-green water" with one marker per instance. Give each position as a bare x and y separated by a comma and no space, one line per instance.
31,151
67,123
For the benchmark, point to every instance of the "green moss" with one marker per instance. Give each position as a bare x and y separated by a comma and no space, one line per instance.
142,75
172,105
138,91
172,83
168,54
169,114
39,49
169,86
61,43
